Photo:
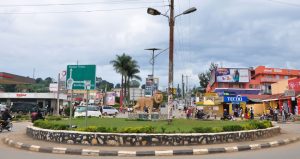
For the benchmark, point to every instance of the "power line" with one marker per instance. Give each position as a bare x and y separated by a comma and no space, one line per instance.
79,11
79,3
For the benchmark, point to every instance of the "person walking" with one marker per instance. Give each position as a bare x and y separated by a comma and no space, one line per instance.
276,111
251,113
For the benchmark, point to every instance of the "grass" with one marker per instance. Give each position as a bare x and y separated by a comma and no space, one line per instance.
178,125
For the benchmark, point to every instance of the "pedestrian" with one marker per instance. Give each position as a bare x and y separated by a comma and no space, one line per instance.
276,111
283,114
246,113
251,113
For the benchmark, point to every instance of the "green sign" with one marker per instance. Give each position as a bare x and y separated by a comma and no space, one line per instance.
81,77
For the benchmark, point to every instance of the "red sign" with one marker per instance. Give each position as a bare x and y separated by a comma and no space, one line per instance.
294,84
21,95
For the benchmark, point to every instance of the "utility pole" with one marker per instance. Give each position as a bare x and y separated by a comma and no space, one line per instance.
58,91
182,80
171,47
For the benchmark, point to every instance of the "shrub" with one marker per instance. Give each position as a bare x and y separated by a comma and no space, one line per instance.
203,129
45,124
144,129
103,129
254,124
56,118
227,128
91,129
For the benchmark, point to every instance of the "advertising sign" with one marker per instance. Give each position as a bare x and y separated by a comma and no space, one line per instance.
232,75
294,84
110,98
80,77
151,86
235,99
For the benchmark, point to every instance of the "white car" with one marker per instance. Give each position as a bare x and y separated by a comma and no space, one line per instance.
91,111
109,110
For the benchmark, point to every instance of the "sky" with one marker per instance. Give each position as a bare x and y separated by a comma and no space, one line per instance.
39,38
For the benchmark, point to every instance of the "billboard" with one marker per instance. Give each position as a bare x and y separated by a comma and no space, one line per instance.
110,98
232,75
294,84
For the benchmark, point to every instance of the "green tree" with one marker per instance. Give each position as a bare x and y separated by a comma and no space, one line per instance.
205,77
120,65
135,84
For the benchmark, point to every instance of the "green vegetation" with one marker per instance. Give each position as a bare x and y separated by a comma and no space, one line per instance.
140,126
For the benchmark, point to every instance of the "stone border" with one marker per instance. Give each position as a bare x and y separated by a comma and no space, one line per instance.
87,152
143,139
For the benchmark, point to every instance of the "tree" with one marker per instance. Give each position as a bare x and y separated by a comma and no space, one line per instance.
143,86
135,84
118,85
205,77
132,71
121,65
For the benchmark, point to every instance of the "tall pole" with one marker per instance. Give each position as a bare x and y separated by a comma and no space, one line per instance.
58,91
171,46
153,60
171,51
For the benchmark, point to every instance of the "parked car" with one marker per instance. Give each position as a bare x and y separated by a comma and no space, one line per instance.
109,110
23,108
92,110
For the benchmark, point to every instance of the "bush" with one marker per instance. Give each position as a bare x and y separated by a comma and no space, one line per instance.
45,124
56,118
203,129
254,124
144,129
227,128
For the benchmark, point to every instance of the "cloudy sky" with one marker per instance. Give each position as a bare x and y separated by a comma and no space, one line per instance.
48,35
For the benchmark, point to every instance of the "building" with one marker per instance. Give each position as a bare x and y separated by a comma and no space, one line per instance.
43,100
7,78
263,77
250,86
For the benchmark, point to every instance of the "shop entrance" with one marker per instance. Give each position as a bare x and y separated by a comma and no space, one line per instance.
226,106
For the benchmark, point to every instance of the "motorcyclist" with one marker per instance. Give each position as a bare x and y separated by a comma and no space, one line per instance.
5,117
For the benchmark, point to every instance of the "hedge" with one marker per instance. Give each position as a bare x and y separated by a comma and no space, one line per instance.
47,124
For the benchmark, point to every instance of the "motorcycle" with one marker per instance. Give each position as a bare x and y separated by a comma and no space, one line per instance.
8,127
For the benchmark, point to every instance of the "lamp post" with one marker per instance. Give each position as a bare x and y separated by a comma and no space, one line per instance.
152,62
171,19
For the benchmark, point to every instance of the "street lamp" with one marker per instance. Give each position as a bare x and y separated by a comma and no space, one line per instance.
152,61
171,19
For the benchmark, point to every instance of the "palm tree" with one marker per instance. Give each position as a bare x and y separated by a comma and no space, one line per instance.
132,72
128,68
119,65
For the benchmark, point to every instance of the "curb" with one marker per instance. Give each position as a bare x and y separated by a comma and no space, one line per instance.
87,152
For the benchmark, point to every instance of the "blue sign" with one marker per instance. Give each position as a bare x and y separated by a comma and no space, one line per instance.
235,99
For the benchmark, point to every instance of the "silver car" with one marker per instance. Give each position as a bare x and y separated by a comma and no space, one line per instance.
109,110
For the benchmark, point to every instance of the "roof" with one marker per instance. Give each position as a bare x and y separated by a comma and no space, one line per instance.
7,78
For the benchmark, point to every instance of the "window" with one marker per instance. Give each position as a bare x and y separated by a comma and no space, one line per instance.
286,77
220,85
277,77
250,86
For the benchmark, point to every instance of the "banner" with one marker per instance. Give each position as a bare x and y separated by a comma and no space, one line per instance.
110,98
232,75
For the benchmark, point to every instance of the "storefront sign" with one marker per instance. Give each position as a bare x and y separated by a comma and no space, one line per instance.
288,93
235,99
21,95
294,84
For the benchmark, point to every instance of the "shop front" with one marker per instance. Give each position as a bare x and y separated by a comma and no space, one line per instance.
234,103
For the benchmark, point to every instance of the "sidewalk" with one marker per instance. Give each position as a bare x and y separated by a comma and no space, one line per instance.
289,133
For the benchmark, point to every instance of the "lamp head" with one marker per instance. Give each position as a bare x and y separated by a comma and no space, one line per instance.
193,9
153,11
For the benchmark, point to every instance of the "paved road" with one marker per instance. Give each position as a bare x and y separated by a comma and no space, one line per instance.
290,151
